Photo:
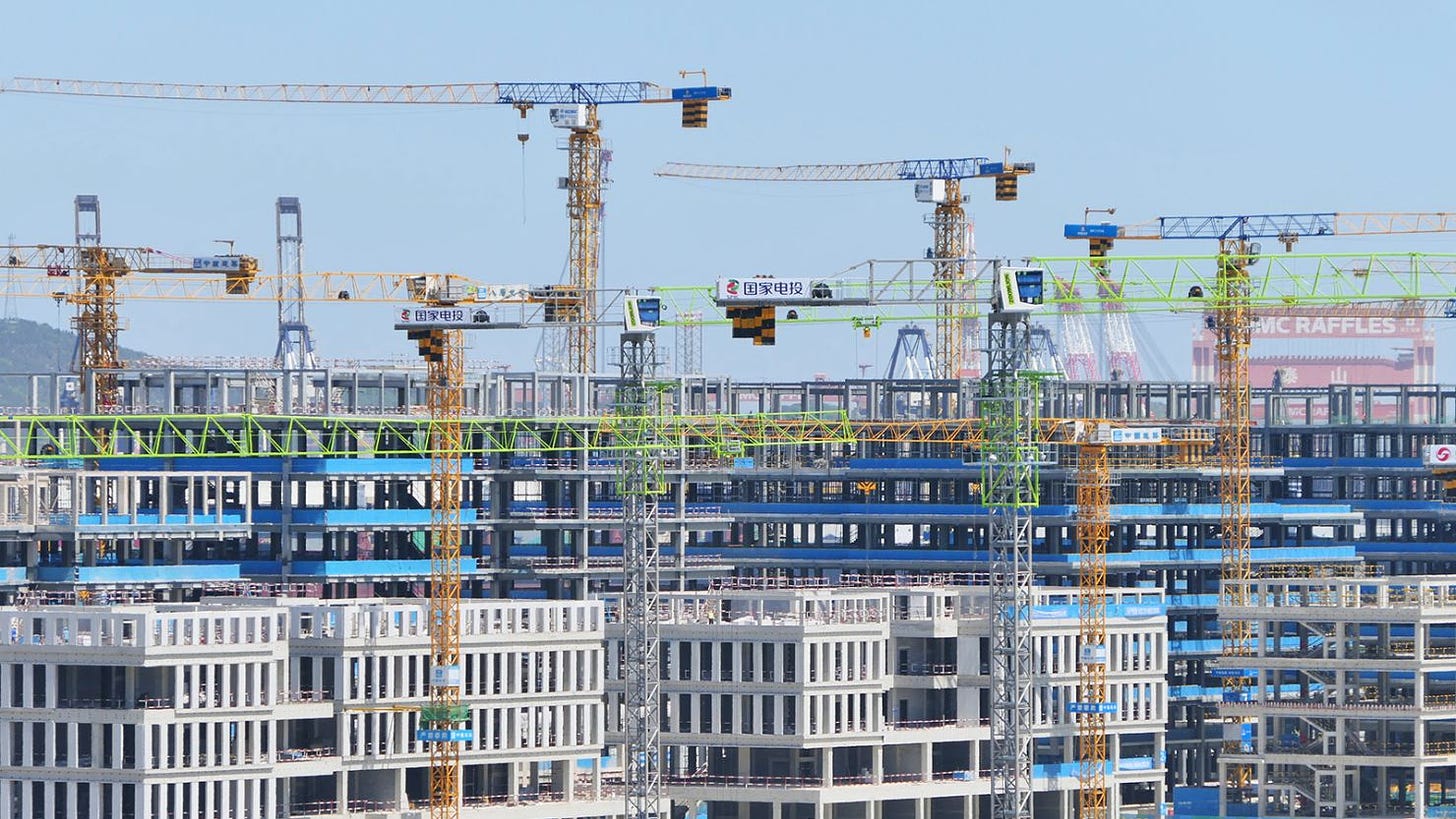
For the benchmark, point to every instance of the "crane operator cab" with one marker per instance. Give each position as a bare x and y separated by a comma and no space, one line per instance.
1018,289
641,314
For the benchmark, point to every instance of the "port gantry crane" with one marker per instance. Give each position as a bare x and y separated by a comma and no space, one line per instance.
1232,320
937,181
97,289
575,110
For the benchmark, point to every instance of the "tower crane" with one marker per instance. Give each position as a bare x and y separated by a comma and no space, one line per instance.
1093,480
1232,321
94,290
575,109
938,182
443,307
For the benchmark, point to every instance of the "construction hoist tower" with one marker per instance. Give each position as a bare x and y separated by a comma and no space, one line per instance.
295,351
639,411
1009,486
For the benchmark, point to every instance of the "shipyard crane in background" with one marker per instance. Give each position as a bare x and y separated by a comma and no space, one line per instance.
1232,321
574,109
97,287
938,182
295,351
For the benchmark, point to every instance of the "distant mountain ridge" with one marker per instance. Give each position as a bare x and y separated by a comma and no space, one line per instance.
32,347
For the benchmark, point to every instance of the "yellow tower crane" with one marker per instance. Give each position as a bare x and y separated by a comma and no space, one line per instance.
1093,481
1232,321
938,182
89,275
445,304
574,108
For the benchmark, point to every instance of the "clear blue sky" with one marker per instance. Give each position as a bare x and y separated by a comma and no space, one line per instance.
1155,108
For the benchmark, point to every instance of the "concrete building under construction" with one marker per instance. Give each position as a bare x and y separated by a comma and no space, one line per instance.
330,508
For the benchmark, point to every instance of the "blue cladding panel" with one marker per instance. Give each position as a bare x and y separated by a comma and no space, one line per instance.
372,568
137,574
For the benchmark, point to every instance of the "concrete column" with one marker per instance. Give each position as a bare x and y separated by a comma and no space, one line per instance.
342,789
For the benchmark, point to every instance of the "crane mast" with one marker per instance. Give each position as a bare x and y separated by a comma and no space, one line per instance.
641,481
949,224
96,322
1233,324
1010,491
1094,529
444,354
584,211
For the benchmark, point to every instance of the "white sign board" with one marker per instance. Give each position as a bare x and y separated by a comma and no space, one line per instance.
513,293
216,263
436,318
1439,455
445,676
768,290
1108,434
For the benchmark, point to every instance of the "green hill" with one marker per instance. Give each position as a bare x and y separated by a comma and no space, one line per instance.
31,347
